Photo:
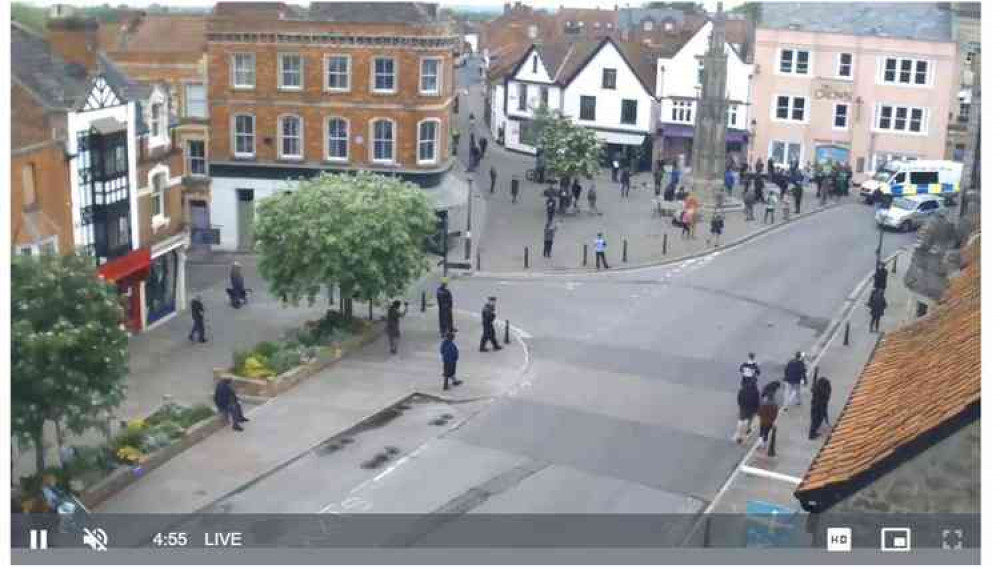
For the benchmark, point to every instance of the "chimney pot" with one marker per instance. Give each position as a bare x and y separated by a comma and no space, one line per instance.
74,39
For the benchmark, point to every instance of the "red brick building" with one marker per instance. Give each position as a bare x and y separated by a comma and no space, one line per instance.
334,86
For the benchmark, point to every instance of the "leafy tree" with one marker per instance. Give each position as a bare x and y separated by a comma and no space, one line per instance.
363,233
569,150
69,351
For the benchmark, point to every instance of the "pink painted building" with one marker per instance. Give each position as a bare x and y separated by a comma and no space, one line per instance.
858,83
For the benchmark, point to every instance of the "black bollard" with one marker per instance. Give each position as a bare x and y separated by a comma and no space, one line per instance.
506,332
525,257
815,373
847,334
894,259
584,254
624,250
664,243
371,315
477,260
423,301
772,442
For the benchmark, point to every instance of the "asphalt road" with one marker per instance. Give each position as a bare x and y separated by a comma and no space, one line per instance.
629,401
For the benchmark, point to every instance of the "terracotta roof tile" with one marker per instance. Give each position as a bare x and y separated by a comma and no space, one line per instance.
162,34
920,376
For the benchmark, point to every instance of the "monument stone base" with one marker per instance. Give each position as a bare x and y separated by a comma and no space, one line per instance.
712,194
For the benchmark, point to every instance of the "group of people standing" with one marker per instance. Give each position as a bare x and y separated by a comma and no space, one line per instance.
446,327
764,404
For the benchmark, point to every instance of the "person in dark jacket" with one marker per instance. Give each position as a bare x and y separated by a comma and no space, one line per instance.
797,195
717,224
449,357
228,404
881,277
819,407
483,143
493,179
758,187
198,318
748,400
237,291
770,169
658,180
626,181
749,201
758,167
444,301
550,210
781,179
577,190
489,332
392,324
876,307
750,369
795,376
548,237
768,411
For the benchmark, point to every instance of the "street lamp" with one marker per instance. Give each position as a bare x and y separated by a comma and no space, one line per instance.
878,251
468,221
753,133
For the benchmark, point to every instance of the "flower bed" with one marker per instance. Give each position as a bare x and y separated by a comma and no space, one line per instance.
97,472
271,368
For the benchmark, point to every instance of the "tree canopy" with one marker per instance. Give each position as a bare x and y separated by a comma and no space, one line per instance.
364,233
69,351
569,150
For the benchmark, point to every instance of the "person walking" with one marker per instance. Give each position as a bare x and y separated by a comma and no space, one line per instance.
614,168
493,178
768,411
489,315
675,174
770,206
749,201
600,248
881,279
550,209
228,404
748,402
797,195
626,181
819,178
876,307
691,207
658,180
483,143
685,224
758,187
592,197
795,376
446,323
548,237
577,190
781,179
449,357
718,223
237,291
565,199
758,166
819,406
392,324
730,181
198,320
515,185
750,369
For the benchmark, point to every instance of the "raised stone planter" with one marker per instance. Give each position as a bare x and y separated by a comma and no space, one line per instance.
123,476
268,388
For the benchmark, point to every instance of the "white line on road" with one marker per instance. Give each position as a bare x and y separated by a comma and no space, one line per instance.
753,471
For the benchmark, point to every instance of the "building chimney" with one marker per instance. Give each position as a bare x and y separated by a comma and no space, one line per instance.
73,37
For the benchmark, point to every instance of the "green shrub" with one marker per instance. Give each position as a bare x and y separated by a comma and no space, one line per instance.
285,360
266,350
196,414
132,436
240,360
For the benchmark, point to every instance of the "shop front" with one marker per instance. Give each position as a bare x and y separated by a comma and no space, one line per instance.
678,142
127,273
633,150
164,285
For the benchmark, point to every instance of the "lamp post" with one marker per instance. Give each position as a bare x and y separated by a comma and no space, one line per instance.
468,221
878,251
753,133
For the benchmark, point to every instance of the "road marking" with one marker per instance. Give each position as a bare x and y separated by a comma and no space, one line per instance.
753,471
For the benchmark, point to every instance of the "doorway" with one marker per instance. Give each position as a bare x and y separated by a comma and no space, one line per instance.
244,219
201,228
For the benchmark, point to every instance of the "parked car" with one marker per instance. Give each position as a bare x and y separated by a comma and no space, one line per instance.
909,213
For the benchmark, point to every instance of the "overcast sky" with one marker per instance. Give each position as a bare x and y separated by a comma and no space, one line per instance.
498,4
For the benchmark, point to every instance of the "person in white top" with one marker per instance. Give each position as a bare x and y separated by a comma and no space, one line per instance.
600,247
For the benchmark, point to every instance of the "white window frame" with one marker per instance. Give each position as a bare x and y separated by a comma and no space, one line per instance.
791,109
252,134
281,72
326,139
438,76
281,137
374,76
795,61
437,141
621,112
873,164
158,196
847,116
731,116
189,158
252,71
36,249
326,73
683,109
837,65
580,111
371,147
883,64
522,102
187,101
156,120
785,158
924,120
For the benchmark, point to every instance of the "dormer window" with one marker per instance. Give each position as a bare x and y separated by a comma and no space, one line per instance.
156,120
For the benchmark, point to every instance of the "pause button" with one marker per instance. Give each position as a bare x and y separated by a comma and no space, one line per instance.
39,539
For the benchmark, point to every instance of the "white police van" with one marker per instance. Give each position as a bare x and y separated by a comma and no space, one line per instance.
913,177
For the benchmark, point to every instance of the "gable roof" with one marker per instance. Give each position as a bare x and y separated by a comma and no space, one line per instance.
52,81
907,20
921,380
565,59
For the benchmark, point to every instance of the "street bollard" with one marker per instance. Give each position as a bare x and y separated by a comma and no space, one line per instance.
664,243
506,332
584,254
894,259
624,250
772,442
815,374
477,260
371,314
847,334
423,301
525,257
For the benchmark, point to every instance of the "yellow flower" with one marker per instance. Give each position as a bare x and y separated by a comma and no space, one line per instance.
129,454
255,368
137,424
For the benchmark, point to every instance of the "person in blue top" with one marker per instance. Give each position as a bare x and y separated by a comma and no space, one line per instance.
730,181
449,356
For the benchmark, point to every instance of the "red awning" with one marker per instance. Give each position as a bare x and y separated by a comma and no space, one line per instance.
134,265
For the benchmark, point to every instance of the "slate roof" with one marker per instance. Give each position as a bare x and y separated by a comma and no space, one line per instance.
628,17
921,377
415,13
55,83
908,20
125,86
